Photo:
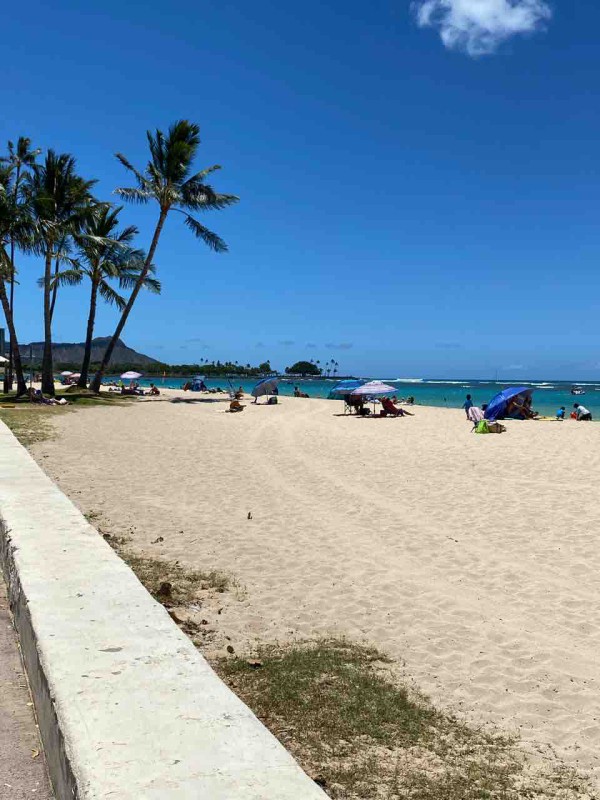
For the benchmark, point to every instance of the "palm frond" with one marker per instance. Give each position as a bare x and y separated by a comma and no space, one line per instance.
65,277
128,165
208,237
153,285
110,296
131,195
201,197
199,176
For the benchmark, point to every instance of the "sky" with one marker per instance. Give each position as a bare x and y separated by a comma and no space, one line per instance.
418,181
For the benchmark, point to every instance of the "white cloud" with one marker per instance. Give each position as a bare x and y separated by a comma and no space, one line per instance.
479,27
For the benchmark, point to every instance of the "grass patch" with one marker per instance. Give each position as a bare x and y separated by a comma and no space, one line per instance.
362,735
167,581
29,423
32,422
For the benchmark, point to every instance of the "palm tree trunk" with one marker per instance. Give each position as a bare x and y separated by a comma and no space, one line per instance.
16,355
11,358
54,289
97,382
87,355
47,366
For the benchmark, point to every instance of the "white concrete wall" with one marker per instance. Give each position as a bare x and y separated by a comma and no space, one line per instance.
128,708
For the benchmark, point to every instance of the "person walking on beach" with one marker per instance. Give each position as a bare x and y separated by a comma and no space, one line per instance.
468,404
583,415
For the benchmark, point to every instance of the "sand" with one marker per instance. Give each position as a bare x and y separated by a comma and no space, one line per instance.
473,560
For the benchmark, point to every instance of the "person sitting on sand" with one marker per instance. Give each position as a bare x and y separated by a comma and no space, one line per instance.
583,414
153,390
355,402
388,407
517,410
235,405
560,414
35,396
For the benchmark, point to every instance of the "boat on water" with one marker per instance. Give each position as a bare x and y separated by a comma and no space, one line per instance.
577,390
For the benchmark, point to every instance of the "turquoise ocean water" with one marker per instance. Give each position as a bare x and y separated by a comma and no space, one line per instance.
547,397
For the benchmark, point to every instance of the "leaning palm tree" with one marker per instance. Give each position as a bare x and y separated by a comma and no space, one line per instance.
60,202
104,254
13,229
20,156
168,181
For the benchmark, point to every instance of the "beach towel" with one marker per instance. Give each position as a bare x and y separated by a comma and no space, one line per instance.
475,415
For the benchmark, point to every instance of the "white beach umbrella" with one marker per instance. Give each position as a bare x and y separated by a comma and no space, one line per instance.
373,388
3,360
66,373
265,387
131,375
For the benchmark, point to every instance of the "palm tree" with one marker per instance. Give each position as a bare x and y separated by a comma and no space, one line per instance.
19,158
60,203
168,181
103,253
13,229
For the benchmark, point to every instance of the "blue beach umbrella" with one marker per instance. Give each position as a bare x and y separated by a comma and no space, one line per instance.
265,387
344,387
498,405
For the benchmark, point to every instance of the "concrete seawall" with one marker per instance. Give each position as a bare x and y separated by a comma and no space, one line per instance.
128,708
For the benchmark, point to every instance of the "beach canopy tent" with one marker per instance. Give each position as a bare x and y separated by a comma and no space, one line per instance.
131,376
265,387
344,387
499,404
373,389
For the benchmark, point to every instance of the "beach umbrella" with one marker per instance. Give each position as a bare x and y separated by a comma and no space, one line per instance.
265,387
3,360
498,404
372,389
345,387
131,376
75,374
66,373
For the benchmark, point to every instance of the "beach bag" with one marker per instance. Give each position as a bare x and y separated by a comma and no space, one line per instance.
489,427
272,401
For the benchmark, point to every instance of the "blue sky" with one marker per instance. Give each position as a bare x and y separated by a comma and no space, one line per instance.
419,184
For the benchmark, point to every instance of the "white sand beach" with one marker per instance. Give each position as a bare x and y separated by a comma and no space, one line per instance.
471,559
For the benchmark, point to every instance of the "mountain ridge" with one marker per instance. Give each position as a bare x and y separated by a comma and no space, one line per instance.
71,353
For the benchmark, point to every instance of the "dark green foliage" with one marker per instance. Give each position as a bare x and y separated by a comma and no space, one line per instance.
303,368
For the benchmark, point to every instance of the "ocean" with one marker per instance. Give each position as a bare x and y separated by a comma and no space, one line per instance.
547,398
